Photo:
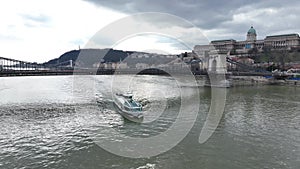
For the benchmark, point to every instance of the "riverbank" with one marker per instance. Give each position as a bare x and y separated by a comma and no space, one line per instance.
234,80
260,80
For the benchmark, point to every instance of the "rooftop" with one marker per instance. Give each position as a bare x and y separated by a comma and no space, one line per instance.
251,31
225,40
275,36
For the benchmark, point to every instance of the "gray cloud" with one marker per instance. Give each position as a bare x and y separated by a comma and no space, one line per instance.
35,20
226,19
206,14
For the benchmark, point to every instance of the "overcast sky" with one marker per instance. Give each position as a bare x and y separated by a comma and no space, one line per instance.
35,30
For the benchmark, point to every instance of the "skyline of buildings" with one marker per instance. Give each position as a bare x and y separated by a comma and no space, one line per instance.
243,48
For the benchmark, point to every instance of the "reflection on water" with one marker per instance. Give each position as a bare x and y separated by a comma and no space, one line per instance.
42,127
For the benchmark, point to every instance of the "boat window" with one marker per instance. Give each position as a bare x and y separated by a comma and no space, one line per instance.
134,104
127,104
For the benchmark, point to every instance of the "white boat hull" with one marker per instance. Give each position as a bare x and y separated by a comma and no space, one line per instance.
134,116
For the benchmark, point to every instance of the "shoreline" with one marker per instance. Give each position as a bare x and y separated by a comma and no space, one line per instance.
234,80
259,80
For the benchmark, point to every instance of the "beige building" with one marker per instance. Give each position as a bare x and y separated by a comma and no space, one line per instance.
244,48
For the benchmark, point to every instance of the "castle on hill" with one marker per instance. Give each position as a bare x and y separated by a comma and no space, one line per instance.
246,48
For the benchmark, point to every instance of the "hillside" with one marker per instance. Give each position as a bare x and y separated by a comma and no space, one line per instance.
87,57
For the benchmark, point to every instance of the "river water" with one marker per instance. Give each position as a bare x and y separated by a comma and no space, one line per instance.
54,122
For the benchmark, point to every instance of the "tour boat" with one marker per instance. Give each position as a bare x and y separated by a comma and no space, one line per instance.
128,107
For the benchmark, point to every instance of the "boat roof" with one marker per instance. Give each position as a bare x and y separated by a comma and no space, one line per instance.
125,95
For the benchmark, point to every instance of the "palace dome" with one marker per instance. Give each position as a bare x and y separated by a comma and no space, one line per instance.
252,31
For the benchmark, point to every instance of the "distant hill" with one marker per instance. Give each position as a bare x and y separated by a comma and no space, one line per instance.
88,57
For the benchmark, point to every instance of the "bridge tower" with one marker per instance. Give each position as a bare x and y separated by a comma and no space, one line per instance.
216,62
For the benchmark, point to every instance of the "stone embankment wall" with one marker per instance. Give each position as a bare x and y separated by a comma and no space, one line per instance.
247,80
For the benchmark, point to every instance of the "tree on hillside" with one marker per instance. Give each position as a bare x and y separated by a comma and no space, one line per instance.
253,53
281,57
267,53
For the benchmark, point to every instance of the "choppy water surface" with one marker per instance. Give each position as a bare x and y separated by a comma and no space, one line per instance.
51,122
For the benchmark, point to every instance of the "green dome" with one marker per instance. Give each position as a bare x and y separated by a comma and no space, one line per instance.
251,30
